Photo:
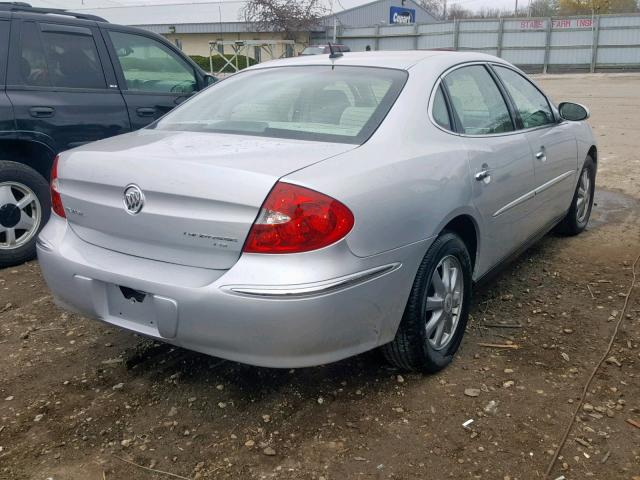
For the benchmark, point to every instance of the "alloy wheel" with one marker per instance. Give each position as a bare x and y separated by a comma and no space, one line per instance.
20,215
584,196
444,302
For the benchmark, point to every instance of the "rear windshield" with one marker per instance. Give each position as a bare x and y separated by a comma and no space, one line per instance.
314,50
319,103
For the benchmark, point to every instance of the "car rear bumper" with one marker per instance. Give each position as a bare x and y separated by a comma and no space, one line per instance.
332,305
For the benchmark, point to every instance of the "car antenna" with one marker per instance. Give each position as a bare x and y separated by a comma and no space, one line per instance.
333,53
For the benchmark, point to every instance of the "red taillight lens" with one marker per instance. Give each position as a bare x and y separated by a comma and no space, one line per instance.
56,201
295,219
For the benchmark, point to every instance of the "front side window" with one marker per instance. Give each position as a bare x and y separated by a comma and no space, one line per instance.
321,103
532,105
477,101
59,59
149,66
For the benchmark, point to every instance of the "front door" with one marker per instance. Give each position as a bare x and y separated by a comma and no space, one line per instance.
58,82
500,161
153,78
553,147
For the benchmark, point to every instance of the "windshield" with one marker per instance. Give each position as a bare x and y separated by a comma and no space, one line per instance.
319,103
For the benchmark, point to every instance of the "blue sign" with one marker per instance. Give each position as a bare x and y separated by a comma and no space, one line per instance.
402,15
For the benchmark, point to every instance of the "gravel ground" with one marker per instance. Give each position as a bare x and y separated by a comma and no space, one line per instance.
82,400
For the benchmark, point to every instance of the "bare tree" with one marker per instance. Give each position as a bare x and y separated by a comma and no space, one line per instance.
486,12
458,11
289,16
434,7
543,8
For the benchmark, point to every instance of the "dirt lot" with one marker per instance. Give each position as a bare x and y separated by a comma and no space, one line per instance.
78,399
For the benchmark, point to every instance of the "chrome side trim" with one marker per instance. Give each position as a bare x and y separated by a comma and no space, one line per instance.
553,181
533,193
516,202
310,289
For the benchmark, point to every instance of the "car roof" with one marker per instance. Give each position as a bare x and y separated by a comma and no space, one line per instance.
402,60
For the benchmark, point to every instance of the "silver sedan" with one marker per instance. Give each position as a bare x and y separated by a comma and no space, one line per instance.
310,209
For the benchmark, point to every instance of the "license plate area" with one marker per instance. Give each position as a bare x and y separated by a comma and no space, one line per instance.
132,305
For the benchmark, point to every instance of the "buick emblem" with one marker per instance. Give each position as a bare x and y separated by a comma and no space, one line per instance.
133,199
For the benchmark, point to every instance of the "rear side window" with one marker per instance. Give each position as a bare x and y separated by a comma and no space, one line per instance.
440,111
58,59
149,66
4,43
532,105
478,101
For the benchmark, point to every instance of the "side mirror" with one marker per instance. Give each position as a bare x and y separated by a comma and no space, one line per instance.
574,112
209,79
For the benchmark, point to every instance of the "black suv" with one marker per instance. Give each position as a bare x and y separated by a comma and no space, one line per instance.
67,79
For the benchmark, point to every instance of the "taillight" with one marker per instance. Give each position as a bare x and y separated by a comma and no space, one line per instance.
295,219
56,201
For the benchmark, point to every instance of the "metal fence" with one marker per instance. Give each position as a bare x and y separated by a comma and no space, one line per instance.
582,43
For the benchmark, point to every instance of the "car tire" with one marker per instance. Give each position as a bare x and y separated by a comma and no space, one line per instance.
415,346
577,218
24,202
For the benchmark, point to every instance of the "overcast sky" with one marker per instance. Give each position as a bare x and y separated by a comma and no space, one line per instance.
70,4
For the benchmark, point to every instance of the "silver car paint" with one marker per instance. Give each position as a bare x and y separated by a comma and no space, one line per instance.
202,195
403,186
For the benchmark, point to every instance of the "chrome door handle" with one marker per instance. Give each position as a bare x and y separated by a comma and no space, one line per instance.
541,155
481,175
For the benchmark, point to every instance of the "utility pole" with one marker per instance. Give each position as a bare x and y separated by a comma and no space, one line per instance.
335,28
444,10
516,10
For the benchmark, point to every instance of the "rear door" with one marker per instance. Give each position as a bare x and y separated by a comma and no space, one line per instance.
499,160
152,76
60,92
552,143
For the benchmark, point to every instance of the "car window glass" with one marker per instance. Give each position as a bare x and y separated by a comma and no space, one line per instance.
149,66
72,60
477,101
341,104
59,59
33,65
439,110
532,105
4,42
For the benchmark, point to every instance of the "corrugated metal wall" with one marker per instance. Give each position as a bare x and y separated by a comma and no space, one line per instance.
535,44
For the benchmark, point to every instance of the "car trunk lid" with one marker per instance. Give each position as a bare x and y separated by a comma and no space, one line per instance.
202,191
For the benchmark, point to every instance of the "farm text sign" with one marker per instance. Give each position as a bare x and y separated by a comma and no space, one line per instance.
557,23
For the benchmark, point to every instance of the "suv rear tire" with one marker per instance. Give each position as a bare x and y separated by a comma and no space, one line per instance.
25,207
436,314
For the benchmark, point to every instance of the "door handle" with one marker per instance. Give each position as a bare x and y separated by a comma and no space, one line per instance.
541,155
41,112
481,175
146,111
484,174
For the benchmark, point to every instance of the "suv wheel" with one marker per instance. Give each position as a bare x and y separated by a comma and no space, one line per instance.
24,208
436,314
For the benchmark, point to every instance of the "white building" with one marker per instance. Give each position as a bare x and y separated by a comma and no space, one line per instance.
193,25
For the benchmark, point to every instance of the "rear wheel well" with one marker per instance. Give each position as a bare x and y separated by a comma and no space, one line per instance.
35,155
593,153
465,228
